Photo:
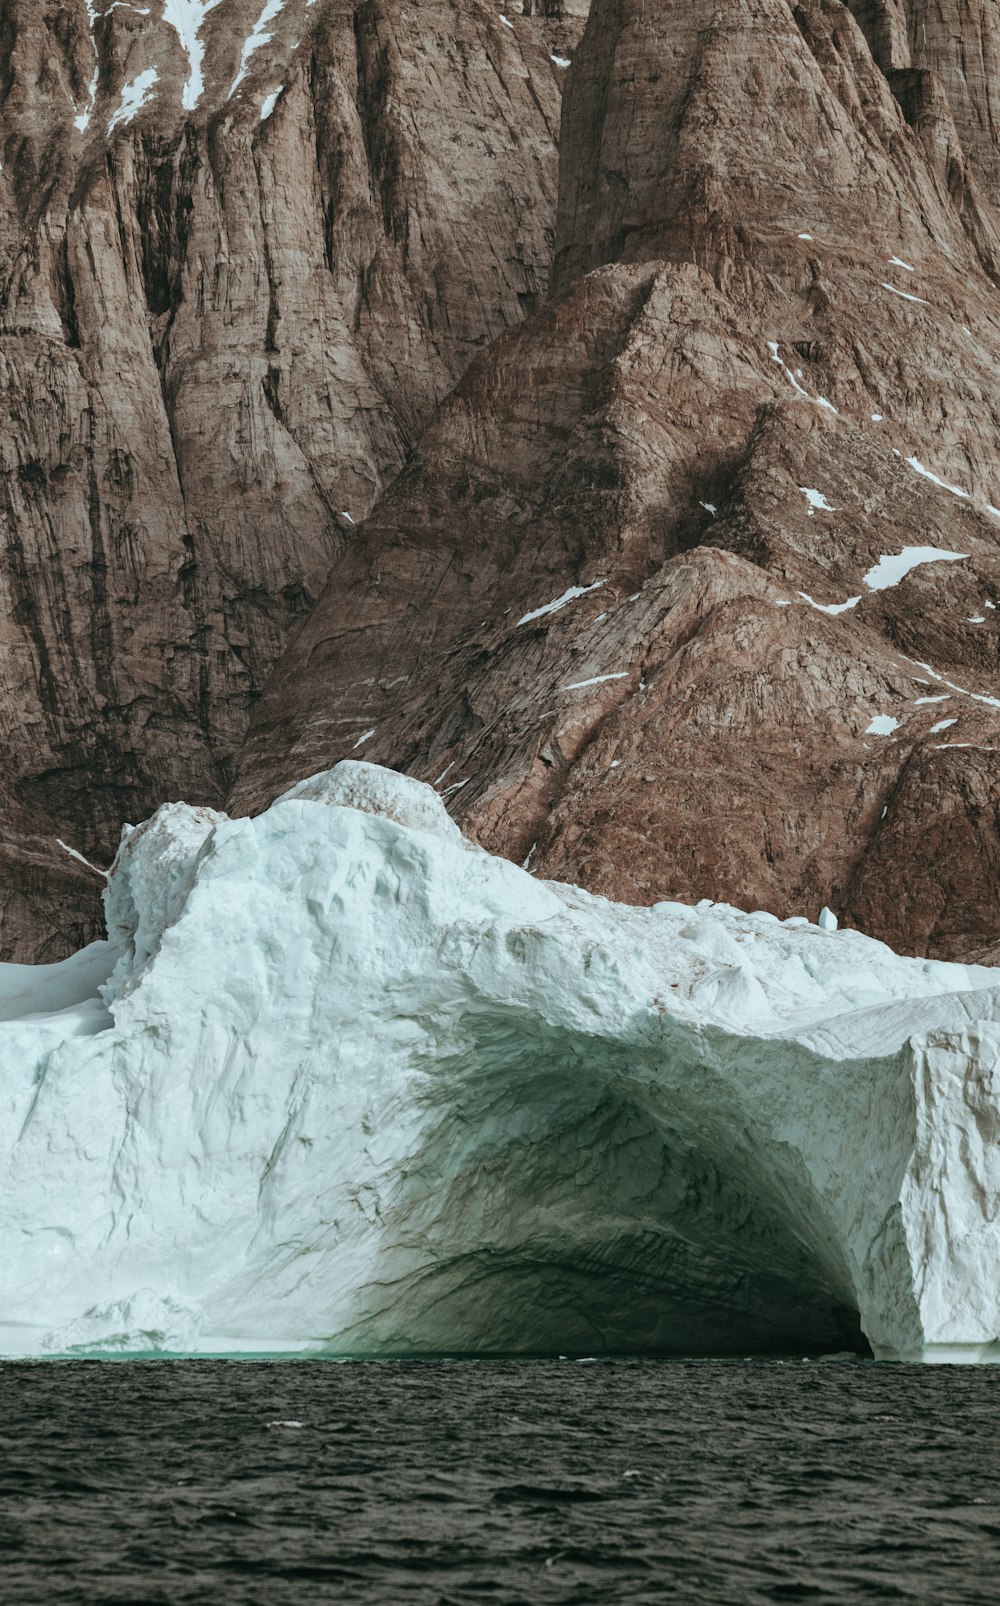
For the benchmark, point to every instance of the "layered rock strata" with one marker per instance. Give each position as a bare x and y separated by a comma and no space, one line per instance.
691,588
245,249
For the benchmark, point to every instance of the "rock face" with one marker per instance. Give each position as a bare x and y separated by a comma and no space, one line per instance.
562,23
691,588
424,1102
245,249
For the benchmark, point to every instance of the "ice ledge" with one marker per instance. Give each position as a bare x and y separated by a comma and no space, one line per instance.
362,1090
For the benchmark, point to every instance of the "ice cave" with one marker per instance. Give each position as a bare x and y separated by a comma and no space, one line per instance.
340,1082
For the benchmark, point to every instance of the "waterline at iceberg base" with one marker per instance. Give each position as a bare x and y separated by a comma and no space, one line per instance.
341,1082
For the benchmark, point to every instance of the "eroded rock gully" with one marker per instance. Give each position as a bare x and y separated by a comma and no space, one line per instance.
244,252
626,606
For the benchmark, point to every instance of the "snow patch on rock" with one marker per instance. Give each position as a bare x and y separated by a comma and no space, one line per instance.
260,36
905,294
187,18
135,95
832,608
82,120
817,501
891,568
560,602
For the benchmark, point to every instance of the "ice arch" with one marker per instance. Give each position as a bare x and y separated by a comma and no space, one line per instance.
355,1086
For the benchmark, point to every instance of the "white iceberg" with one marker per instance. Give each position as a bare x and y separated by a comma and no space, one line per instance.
352,1086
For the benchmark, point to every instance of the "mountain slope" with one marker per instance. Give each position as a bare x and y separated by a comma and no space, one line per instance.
691,589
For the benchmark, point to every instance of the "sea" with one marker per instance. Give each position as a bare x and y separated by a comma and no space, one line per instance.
581,1480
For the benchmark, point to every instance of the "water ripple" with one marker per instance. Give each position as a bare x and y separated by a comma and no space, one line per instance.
453,1484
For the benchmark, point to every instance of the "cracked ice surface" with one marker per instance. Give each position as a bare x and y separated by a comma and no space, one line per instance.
356,1086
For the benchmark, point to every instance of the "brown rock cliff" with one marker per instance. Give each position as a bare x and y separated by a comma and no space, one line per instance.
631,606
244,252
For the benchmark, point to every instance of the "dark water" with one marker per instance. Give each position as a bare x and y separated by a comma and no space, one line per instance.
498,1482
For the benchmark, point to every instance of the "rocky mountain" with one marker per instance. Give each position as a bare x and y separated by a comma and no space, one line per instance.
640,494
246,247
691,588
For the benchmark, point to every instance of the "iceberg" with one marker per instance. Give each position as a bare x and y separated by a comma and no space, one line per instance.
340,1082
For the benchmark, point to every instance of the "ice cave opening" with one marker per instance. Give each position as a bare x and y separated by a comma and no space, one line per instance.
554,1210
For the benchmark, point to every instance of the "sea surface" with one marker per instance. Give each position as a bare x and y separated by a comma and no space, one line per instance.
441,1482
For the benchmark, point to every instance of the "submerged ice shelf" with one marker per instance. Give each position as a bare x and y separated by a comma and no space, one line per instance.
354,1086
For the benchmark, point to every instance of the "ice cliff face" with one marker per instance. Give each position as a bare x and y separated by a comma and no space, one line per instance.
354,1086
